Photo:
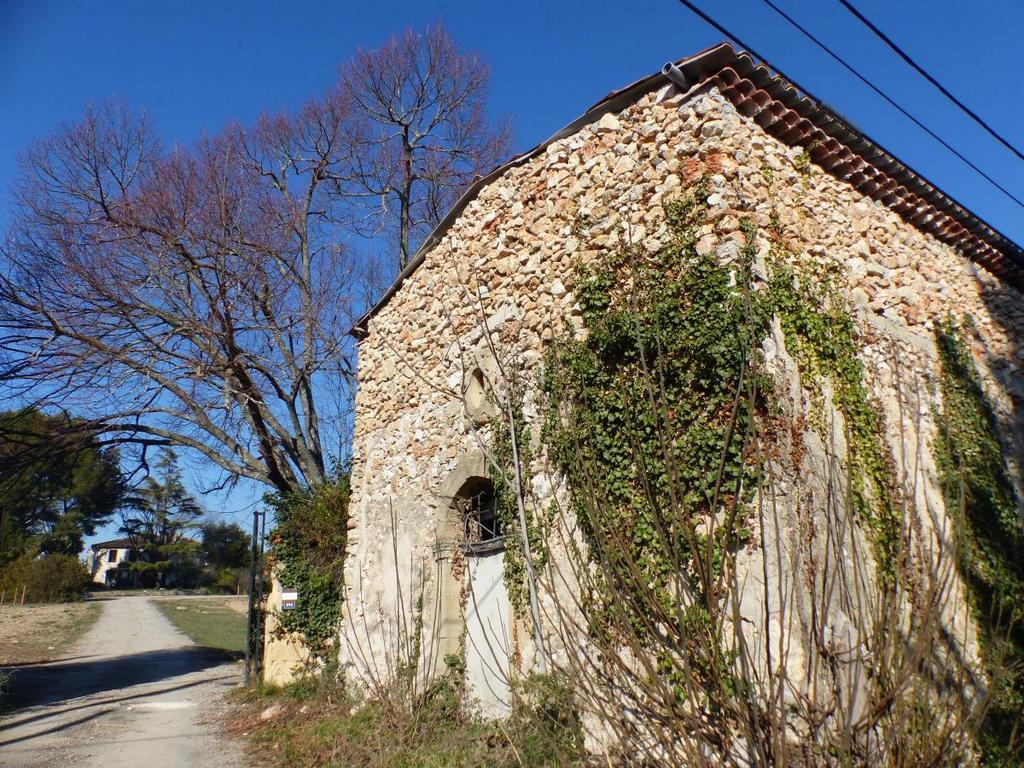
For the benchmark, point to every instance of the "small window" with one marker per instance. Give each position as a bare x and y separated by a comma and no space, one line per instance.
479,508
112,556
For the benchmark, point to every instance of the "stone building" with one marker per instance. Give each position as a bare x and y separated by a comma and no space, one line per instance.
499,270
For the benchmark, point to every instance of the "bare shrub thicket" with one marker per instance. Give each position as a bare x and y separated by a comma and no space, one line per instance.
792,649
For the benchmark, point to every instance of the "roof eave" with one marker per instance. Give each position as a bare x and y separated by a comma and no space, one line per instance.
700,70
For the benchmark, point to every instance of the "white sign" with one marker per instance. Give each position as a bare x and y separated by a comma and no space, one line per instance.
289,598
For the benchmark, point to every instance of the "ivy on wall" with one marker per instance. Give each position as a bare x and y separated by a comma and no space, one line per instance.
308,547
650,415
692,324
822,337
989,534
652,412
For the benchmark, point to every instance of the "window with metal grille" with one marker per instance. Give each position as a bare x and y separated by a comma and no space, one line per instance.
479,508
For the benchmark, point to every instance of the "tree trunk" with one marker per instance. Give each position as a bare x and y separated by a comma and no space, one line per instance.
406,201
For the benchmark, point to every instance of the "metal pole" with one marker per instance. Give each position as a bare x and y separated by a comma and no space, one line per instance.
261,616
252,589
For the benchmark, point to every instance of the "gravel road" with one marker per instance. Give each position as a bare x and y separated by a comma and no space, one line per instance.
132,692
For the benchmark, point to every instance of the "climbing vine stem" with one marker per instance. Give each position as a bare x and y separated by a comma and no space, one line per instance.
511,451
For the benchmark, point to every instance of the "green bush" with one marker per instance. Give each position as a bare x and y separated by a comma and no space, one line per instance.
47,579
230,581
308,550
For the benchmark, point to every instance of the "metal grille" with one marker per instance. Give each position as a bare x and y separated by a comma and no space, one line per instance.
479,509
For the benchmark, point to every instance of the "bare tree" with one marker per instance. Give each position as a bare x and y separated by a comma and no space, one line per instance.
199,296
191,297
423,130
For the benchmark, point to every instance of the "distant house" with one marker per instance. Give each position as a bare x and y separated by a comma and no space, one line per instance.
104,557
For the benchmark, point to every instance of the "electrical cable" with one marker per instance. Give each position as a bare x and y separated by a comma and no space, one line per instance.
889,99
859,76
921,71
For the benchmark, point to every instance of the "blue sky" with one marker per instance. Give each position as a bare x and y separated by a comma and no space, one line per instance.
195,65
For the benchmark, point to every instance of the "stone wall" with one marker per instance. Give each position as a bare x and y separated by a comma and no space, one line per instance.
284,657
508,261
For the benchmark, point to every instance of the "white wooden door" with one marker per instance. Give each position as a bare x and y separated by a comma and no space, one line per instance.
488,634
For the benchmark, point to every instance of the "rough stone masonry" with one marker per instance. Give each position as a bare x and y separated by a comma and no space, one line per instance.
501,275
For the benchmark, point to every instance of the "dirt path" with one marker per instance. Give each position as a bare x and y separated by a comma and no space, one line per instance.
132,692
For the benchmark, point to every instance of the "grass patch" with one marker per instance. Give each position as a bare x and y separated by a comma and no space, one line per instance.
33,634
211,623
322,724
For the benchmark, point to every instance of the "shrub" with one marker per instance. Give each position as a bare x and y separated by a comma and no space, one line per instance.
308,551
47,579
324,724
229,581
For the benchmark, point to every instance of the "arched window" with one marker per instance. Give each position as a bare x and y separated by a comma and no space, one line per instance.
478,507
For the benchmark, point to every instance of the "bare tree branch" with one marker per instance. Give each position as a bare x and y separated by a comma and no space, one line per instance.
192,296
423,130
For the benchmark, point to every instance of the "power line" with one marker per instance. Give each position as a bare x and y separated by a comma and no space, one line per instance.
859,76
886,96
920,70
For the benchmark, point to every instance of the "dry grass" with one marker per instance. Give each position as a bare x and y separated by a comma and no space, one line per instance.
33,634
319,723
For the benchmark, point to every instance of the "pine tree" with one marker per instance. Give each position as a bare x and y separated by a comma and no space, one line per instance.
58,484
156,519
